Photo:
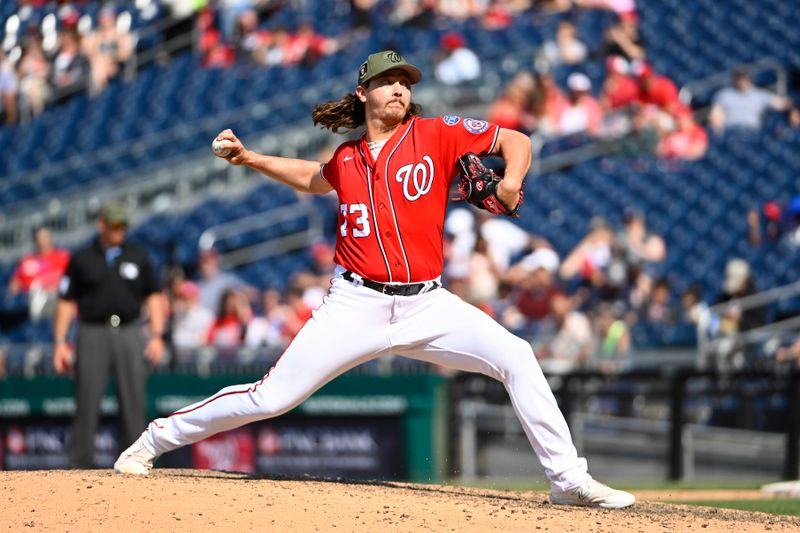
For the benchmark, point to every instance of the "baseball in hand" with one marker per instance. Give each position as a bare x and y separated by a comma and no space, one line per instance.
220,150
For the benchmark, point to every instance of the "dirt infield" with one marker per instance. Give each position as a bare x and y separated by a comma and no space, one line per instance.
188,500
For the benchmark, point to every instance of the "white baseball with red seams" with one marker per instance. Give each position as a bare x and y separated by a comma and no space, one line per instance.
220,149
391,219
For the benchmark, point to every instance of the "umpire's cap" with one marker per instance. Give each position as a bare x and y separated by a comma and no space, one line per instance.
114,213
383,61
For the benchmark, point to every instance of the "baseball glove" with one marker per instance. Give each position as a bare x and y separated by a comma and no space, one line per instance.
478,186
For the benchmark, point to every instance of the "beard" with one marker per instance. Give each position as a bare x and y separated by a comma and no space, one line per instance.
394,114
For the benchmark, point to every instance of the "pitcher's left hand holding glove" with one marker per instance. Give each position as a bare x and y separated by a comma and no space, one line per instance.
478,186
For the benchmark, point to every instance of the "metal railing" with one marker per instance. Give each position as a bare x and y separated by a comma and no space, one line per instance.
723,79
714,349
657,419
296,240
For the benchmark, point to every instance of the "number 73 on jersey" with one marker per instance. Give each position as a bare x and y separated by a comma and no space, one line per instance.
361,221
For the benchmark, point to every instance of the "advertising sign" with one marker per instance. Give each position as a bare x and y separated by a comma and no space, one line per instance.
232,451
43,445
357,448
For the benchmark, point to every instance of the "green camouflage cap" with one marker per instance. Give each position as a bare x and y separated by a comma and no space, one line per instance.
114,213
383,61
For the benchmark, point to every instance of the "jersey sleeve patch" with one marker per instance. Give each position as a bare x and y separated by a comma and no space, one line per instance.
473,125
451,120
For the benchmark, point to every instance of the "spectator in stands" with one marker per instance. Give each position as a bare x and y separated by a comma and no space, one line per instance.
216,53
790,222
229,12
454,62
71,71
623,39
789,354
229,329
640,248
306,46
658,309
459,9
572,343
656,90
548,102
619,89
641,138
214,281
582,113
33,72
689,140
276,48
620,7
251,41
460,236
499,14
108,47
362,15
743,105
297,312
535,286
191,321
613,338
267,329
39,274
739,283
313,288
691,304
513,109
484,277
593,252
322,266
413,13
219,55
566,49
505,240
735,318
553,6
773,222
9,87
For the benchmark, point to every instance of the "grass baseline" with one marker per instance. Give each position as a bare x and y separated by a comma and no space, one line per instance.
776,506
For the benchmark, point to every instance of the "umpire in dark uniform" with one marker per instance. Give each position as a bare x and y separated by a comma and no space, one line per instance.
108,283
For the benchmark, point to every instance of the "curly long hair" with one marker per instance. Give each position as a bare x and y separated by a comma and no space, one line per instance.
348,113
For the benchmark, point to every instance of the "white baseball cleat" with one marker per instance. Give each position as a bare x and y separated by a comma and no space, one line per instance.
593,494
137,460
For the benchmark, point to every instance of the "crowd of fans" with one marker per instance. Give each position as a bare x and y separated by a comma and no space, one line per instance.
636,109
65,55
578,309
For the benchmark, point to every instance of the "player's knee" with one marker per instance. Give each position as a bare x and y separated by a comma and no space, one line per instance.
275,400
519,358
272,407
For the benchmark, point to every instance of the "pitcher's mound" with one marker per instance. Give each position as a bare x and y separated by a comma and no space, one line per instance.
192,500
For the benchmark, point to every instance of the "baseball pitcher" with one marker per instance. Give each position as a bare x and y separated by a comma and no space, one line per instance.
386,297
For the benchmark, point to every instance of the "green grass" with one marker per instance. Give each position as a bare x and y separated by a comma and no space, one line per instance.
780,507
525,485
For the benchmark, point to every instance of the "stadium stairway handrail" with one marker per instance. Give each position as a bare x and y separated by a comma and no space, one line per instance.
722,79
232,258
709,344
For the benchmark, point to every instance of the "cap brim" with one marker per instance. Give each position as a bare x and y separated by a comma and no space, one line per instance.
414,74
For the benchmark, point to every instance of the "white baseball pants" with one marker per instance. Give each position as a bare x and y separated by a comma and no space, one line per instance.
356,324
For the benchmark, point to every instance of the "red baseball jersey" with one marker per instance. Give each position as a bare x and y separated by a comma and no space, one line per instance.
391,211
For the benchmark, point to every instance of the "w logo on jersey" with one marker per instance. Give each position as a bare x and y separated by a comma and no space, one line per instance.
417,178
